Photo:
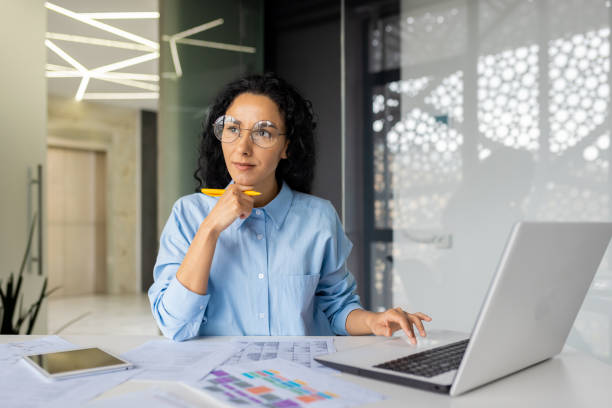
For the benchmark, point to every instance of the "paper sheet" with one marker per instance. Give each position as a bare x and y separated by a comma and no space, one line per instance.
283,384
187,361
22,386
300,351
10,353
150,397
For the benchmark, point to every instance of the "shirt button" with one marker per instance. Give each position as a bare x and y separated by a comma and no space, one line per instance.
259,236
261,315
260,276
258,212
201,307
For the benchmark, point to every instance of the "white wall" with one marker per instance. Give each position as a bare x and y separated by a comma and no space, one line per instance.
22,131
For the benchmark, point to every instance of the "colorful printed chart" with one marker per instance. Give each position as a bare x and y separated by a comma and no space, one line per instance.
282,384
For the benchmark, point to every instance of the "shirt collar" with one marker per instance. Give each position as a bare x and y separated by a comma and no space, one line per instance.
276,209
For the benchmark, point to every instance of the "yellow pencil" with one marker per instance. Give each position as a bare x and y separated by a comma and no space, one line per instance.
218,192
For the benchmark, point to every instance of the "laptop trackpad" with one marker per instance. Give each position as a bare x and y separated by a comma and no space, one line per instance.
434,338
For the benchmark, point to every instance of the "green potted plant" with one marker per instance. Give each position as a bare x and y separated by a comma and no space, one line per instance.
11,295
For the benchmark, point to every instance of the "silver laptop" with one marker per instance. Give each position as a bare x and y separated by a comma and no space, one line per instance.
541,281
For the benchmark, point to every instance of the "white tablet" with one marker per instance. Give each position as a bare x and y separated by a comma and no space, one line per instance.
74,363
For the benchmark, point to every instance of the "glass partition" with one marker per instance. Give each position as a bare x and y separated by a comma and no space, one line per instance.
479,114
204,45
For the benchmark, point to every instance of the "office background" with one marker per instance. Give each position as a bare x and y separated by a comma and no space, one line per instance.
441,123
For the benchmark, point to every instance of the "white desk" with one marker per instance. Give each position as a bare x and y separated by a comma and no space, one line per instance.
572,379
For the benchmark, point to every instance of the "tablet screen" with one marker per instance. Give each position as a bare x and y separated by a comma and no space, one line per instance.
74,360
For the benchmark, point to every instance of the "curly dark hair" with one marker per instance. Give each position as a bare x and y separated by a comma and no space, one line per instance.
298,169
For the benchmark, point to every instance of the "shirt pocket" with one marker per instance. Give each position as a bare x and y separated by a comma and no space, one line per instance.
292,301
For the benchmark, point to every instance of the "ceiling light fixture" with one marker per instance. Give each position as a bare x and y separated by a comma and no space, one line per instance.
101,72
173,39
102,26
142,44
126,15
218,45
175,59
82,88
135,84
59,71
129,75
198,29
64,55
55,67
98,41
104,75
121,95
180,38
126,63
126,79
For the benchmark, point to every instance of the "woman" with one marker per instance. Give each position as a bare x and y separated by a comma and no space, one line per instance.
271,264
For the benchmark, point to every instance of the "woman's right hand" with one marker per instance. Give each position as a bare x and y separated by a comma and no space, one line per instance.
231,205
194,271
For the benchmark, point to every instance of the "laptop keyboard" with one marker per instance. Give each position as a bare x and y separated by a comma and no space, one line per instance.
429,363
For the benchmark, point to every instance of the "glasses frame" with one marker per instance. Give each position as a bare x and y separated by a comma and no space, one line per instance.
240,129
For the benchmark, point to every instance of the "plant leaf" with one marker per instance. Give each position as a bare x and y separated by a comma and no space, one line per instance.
9,308
11,295
33,311
37,307
50,292
21,306
18,286
22,318
9,288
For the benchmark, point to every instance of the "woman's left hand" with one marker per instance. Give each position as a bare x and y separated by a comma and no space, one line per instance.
388,322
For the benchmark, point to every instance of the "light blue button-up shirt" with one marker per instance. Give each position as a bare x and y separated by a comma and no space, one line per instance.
281,271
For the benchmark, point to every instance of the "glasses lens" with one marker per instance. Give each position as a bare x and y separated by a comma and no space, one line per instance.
218,127
265,134
225,129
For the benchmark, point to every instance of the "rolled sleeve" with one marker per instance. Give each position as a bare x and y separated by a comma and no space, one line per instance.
184,304
179,312
339,323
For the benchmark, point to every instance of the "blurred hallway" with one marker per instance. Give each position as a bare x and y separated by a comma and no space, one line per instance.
101,314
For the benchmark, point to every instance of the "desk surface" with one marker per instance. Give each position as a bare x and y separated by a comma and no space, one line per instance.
571,379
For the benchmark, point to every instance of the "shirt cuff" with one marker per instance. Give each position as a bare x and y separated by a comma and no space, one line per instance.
182,303
340,320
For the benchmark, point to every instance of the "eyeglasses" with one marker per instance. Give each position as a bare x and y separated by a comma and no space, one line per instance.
263,133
